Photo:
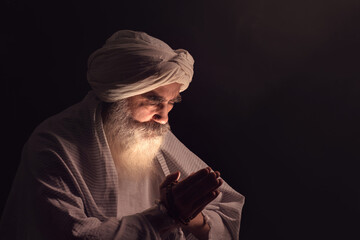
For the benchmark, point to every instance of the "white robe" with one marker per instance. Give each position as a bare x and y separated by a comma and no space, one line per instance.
67,186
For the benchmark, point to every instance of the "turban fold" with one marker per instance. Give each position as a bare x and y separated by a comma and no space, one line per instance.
132,63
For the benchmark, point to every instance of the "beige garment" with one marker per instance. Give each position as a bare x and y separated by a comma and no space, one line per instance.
67,187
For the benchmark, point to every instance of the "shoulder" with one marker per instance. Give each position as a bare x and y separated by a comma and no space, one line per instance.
66,133
73,122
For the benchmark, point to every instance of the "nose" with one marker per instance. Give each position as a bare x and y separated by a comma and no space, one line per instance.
162,114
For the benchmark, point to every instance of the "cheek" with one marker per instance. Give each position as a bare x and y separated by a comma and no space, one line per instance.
142,114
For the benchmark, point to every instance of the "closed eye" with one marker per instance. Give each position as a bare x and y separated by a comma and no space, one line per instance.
154,99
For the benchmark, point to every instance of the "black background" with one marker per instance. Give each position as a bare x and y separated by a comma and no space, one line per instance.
274,103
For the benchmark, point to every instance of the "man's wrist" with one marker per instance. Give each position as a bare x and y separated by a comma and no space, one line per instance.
159,219
198,226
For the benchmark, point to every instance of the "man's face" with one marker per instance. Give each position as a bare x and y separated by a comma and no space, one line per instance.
156,104
135,128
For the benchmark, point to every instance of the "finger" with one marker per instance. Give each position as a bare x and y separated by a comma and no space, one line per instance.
220,182
202,203
170,178
212,181
192,179
204,187
197,192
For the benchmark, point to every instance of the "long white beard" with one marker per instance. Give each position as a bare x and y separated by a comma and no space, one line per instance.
133,145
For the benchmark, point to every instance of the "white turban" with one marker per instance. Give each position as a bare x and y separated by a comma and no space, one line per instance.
132,63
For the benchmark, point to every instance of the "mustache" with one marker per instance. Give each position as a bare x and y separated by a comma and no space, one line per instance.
150,128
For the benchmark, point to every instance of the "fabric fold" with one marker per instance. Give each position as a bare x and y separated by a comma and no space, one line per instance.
132,63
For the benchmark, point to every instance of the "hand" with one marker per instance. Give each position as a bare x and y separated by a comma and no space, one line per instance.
192,194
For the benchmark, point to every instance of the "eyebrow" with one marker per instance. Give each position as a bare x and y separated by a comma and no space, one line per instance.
152,96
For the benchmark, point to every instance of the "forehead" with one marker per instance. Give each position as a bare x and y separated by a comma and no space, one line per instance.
168,92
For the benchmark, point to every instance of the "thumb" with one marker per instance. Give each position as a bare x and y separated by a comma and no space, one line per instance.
170,178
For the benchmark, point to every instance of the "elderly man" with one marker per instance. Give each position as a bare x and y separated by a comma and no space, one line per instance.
110,168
